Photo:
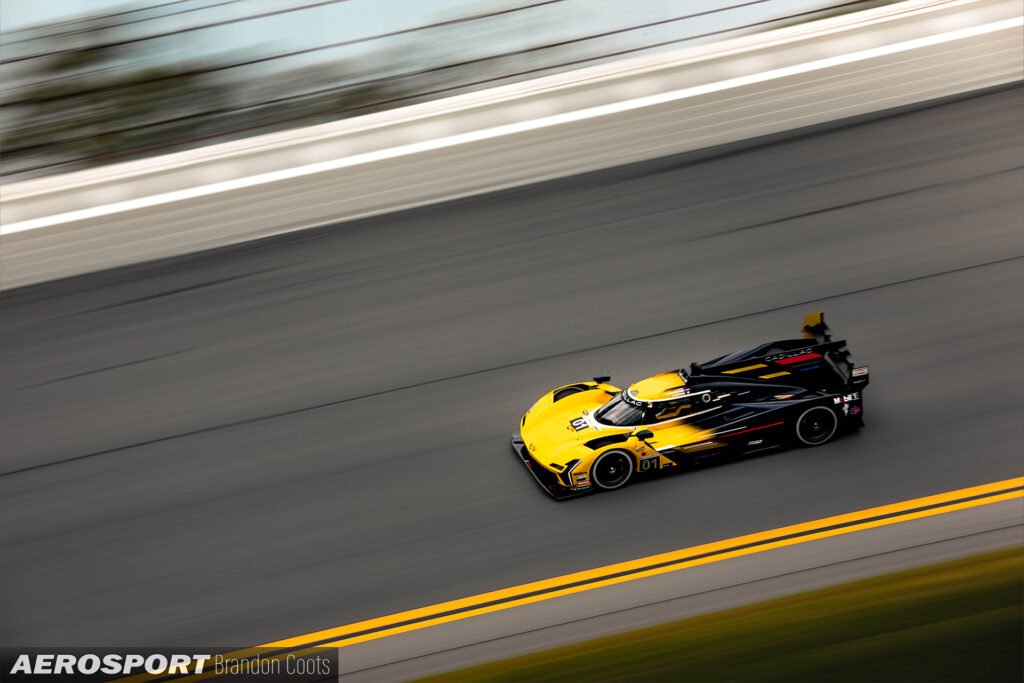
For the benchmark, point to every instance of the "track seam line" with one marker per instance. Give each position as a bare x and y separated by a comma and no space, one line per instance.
659,214
506,366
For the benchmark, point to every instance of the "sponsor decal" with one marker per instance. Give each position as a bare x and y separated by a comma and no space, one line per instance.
649,463
860,372
631,401
88,664
755,442
57,665
789,354
847,398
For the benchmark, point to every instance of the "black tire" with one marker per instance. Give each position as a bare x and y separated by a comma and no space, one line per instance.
612,470
816,426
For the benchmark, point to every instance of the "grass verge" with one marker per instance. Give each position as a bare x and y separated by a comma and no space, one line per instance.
956,621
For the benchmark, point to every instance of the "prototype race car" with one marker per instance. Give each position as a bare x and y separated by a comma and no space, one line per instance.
592,435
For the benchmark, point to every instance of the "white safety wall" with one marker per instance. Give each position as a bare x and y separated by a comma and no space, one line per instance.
570,123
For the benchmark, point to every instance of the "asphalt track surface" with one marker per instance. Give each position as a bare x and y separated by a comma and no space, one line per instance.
276,438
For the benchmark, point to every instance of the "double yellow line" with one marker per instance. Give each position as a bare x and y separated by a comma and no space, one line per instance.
401,622
507,598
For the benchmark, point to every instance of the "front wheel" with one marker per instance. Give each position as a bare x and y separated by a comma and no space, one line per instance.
816,426
612,470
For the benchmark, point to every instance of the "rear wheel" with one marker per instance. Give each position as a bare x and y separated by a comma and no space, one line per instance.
612,470
816,426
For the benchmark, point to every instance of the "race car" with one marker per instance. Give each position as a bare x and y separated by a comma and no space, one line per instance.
591,436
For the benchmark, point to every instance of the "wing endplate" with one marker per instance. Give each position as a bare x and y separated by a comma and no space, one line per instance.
815,328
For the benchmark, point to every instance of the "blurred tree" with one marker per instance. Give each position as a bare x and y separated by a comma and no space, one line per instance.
75,103
104,93
100,104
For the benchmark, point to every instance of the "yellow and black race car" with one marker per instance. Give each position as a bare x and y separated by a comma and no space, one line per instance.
592,435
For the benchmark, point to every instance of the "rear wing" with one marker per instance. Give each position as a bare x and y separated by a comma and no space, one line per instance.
815,360
815,328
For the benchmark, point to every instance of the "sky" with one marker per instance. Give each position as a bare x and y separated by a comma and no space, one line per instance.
350,19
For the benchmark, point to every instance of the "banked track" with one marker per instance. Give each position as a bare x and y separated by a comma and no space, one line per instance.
273,439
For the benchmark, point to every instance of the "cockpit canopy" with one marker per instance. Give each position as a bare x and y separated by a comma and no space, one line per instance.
626,411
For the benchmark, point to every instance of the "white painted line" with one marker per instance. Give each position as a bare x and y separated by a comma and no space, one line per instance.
632,67
503,130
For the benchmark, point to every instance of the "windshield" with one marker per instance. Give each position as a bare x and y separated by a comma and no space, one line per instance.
618,413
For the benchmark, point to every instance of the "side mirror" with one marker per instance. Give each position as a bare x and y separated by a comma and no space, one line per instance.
601,379
644,434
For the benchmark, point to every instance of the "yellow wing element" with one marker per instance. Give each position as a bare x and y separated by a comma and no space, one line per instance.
816,328
811,321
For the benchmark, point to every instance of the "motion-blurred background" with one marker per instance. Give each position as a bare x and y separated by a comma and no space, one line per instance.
88,83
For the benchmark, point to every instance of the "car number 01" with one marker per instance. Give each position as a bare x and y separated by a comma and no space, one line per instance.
648,464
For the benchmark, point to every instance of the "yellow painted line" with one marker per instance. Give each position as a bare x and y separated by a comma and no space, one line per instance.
599,577
774,374
646,566
749,367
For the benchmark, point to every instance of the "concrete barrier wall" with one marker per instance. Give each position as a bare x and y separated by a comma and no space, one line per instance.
618,113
